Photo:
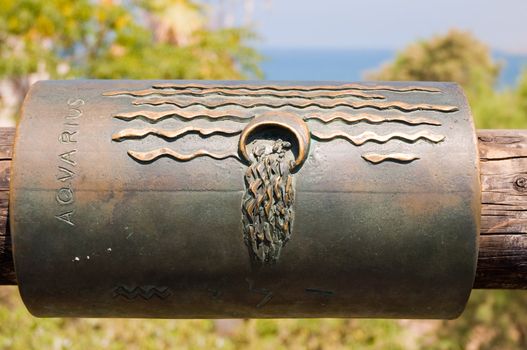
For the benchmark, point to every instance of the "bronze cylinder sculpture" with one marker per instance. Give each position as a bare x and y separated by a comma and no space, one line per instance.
193,199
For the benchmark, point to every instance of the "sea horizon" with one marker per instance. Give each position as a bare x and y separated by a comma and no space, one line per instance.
351,64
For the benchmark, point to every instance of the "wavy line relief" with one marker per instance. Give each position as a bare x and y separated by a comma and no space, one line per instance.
143,292
252,87
157,116
215,112
247,93
150,156
172,134
402,106
370,118
376,158
267,206
368,136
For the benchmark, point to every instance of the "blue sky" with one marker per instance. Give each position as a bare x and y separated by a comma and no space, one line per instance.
385,24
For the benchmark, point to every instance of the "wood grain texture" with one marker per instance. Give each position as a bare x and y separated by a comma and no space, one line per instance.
502,262
7,270
503,155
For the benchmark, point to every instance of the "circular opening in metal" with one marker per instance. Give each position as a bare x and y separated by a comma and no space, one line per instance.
273,138
286,132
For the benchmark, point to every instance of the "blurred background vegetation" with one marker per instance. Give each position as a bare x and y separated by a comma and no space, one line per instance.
140,39
173,39
458,56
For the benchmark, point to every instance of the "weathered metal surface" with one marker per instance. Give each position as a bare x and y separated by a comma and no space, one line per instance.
230,199
502,258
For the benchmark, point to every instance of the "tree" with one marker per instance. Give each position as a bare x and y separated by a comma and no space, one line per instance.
161,39
458,56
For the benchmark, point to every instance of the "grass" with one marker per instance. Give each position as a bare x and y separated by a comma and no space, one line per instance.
493,320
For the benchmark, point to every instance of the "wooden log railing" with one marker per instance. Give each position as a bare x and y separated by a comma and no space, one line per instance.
502,261
7,270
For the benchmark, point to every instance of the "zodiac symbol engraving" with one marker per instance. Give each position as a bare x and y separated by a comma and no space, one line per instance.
244,110
142,292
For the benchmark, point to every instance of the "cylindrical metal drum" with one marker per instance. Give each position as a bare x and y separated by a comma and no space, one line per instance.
192,199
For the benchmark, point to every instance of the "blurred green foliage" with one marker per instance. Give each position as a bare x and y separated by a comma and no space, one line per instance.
458,56
147,39
117,39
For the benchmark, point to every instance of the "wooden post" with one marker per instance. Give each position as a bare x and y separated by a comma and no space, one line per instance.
502,259
7,270
502,262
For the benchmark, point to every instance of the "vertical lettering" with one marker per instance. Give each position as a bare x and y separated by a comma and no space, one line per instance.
67,157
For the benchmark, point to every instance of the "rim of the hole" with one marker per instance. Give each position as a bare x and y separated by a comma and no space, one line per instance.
287,121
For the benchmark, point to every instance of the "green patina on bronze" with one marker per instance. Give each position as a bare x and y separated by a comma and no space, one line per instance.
192,199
